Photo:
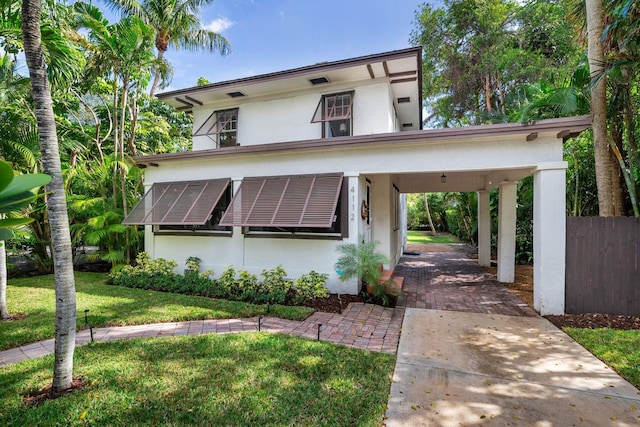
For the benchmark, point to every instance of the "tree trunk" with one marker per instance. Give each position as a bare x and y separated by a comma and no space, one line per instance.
426,208
487,92
156,78
65,292
603,157
4,312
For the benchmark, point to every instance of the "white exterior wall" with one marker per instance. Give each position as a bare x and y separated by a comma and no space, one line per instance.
391,241
270,120
299,256
381,217
398,158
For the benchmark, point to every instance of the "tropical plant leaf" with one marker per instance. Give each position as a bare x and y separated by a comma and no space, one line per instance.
14,222
23,184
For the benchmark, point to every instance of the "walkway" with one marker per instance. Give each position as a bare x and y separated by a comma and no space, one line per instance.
364,326
446,279
471,369
472,353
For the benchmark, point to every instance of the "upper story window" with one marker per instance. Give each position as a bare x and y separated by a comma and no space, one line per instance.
334,112
221,127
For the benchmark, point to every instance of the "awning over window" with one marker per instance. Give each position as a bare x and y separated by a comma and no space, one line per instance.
218,122
285,201
178,203
333,107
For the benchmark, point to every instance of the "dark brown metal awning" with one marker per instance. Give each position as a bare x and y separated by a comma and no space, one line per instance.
285,201
333,107
178,203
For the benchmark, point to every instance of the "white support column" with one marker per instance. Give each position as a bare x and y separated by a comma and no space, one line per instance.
507,232
549,238
484,229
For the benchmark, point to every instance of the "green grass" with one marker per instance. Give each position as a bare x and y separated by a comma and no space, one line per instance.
114,306
426,238
232,380
618,349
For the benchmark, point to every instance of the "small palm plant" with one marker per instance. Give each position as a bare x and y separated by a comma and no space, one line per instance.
360,260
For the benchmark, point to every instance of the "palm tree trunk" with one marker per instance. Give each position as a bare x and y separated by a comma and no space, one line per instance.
156,78
603,157
65,334
4,312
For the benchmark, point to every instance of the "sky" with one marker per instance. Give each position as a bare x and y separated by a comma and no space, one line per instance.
274,35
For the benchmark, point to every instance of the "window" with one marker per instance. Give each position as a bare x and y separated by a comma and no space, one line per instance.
221,127
289,205
211,225
183,206
334,112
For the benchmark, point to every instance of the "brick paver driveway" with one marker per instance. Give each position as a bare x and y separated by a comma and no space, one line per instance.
447,279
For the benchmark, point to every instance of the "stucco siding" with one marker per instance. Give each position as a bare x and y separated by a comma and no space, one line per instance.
266,121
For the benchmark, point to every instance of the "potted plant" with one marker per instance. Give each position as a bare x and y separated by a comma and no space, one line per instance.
362,261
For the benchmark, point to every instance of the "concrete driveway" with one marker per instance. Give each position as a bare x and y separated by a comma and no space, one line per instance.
472,369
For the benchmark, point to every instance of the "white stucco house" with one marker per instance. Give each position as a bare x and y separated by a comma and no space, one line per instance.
286,166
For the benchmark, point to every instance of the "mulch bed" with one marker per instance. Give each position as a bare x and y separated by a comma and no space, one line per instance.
333,304
45,394
595,321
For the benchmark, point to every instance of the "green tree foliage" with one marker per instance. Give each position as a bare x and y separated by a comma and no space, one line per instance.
176,23
479,56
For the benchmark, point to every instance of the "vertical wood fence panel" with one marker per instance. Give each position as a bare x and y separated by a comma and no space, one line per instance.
602,272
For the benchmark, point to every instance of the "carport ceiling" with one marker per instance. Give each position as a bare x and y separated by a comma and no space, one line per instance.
458,181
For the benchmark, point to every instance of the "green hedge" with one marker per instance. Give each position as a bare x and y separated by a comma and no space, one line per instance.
273,288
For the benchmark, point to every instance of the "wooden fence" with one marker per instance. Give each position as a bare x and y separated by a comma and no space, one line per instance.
603,265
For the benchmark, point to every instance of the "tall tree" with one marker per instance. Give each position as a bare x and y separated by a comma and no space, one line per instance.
478,56
177,23
605,163
65,332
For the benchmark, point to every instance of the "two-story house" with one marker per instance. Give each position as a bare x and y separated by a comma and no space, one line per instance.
288,165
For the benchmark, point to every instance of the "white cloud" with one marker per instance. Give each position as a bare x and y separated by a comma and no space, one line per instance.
219,25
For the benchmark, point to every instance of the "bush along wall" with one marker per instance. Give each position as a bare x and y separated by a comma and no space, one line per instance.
273,287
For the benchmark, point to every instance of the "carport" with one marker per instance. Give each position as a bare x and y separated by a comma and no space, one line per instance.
480,159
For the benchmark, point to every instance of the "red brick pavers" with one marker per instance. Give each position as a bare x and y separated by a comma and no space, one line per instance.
452,281
364,326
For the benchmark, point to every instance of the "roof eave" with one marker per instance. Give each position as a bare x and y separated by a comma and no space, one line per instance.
320,67
564,128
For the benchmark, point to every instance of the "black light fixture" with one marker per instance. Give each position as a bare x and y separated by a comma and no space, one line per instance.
443,178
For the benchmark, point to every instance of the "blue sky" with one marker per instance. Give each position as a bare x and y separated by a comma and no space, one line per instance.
274,35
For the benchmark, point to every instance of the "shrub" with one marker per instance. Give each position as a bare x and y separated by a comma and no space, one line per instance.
193,264
158,274
227,282
247,286
311,285
274,286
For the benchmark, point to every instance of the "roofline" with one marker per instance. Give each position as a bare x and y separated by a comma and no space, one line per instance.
564,127
322,66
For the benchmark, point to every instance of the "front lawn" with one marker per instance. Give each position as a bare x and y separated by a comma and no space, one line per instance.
237,379
619,349
425,237
108,305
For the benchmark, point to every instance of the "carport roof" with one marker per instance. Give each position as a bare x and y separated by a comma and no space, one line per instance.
562,128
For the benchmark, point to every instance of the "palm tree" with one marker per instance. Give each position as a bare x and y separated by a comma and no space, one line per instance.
57,206
177,23
604,158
